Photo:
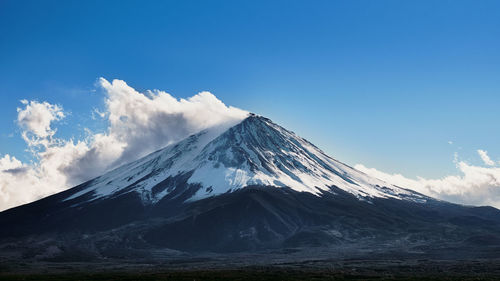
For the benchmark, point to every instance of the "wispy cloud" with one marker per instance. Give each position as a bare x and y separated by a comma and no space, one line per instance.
486,159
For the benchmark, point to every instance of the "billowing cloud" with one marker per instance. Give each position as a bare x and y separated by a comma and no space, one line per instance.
137,124
35,120
145,122
475,185
486,159
21,183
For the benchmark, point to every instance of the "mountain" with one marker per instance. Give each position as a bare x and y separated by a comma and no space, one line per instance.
254,152
246,187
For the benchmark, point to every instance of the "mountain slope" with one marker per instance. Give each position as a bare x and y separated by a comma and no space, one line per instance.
253,152
250,186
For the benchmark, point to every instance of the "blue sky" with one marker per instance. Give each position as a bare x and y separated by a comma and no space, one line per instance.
382,83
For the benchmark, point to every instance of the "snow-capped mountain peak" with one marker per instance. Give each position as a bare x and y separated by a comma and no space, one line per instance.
255,151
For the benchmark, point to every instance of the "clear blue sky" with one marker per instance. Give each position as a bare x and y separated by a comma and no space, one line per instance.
382,83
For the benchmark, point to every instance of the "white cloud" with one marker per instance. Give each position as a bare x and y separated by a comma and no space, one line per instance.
486,159
35,120
475,185
138,123
100,114
21,183
145,122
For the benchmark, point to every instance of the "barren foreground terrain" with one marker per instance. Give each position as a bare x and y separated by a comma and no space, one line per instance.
286,265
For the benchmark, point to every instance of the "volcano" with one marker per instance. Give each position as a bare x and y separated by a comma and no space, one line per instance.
247,187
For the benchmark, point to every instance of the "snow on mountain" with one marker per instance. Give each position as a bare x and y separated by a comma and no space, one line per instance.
255,151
